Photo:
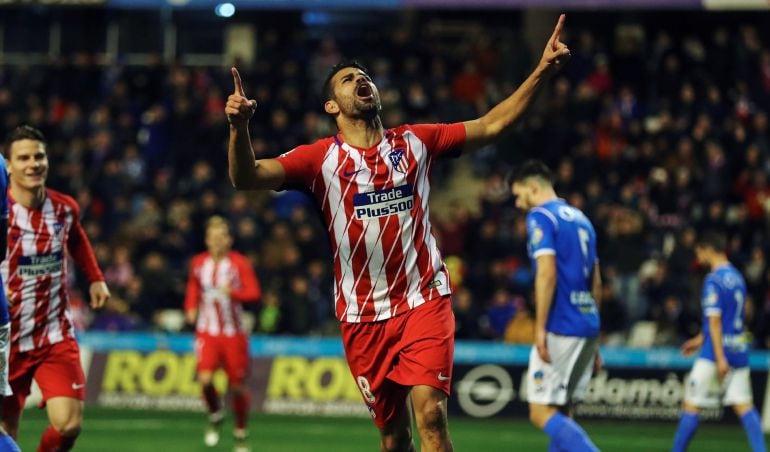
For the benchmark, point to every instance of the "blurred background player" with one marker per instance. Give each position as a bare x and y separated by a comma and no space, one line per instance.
220,281
42,225
721,372
6,442
392,287
562,246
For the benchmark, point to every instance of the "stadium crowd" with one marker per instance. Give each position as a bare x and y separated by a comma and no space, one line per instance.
655,135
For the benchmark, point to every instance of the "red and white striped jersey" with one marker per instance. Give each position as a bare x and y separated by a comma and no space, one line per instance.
375,205
35,269
219,313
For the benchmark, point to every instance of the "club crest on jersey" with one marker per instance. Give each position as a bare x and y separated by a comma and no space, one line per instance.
398,161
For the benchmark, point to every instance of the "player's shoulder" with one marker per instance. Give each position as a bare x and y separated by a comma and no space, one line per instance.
543,213
238,258
59,198
318,147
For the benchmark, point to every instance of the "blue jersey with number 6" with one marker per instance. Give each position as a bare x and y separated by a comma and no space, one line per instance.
559,229
724,295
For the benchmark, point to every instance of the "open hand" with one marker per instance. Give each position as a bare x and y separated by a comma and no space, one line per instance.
239,109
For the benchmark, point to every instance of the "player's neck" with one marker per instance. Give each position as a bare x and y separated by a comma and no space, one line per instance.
29,198
216,257
361,133
718,261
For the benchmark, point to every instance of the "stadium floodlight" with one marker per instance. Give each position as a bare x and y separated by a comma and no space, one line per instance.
225,10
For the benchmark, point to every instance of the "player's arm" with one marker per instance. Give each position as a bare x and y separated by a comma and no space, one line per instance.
247,173
545,287
596,285
715,326
692,345
3,238
80,249
192,295
250,290
504,116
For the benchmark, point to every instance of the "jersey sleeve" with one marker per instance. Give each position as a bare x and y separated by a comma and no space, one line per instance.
249,290
441,139
712,305
193,292
301,165
3,189
80,249
541,232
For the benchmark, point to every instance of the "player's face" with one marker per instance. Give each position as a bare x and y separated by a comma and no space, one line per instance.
702,254
28,164
355,95
524,193
218,240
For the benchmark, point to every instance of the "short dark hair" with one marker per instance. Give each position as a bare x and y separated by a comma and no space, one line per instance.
22,132
531,168
715,240
327,91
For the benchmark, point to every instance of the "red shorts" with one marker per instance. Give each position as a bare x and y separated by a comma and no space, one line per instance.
230,353
387,358
56,369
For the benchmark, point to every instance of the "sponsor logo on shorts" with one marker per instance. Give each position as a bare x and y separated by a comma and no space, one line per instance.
442,377
371,411
76,386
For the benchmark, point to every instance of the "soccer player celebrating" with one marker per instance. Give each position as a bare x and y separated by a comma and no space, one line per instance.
42,225
220,280
562,246
6,442
391,286
721,372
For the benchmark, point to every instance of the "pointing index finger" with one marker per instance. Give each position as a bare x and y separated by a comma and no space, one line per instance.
557,31
237,81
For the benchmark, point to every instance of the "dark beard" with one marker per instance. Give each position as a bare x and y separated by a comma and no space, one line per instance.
366,111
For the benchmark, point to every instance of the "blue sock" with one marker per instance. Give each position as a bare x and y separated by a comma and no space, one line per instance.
7,444
566,435
753,427
688,423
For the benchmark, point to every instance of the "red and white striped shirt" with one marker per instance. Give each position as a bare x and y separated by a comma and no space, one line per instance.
35,270
219,314
375,205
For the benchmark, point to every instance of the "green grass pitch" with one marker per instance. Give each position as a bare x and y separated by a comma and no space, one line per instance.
151,431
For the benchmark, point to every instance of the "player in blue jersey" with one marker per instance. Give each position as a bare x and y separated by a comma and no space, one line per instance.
721,372
562,247
6,442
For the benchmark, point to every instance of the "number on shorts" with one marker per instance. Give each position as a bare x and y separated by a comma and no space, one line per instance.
366,390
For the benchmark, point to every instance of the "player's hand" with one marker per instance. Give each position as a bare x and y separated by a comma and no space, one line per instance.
690,346
598,363
9,296
225,289
239,109
191,316
556,53
541,345
99,294
722,369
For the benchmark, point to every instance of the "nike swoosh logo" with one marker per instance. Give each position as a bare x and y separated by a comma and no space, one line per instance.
442,377
78,386
351,173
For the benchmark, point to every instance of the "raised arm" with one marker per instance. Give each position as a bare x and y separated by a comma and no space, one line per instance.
247,173
499,120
